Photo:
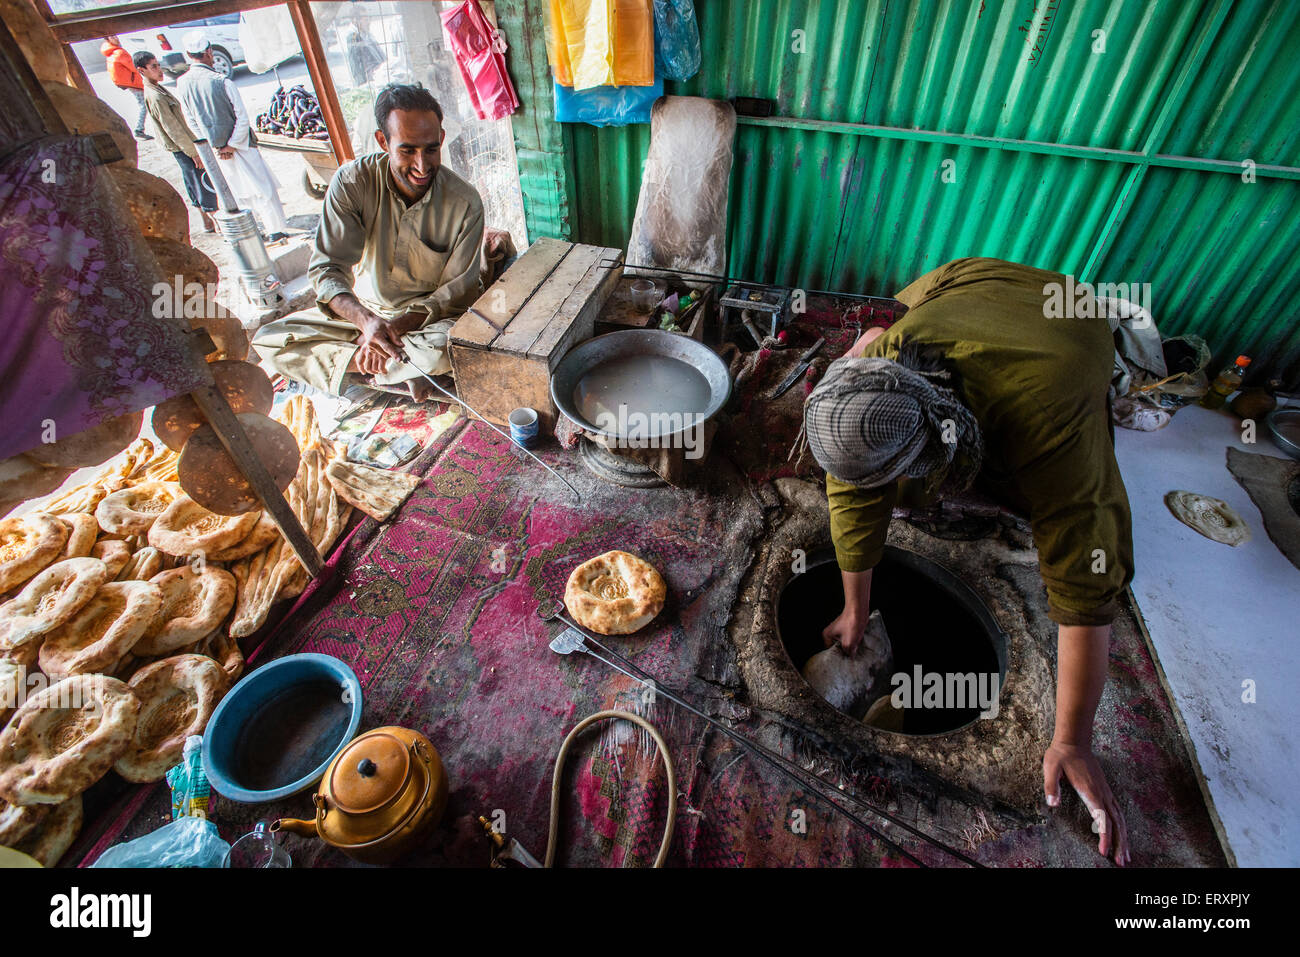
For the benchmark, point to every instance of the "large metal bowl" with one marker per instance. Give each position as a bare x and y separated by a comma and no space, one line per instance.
638,342
1284,424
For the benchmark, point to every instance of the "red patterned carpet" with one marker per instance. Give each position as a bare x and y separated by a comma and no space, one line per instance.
437,612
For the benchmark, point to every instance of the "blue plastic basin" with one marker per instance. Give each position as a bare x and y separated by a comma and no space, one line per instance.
278,729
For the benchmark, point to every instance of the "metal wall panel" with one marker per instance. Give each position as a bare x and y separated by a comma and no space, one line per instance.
1062,156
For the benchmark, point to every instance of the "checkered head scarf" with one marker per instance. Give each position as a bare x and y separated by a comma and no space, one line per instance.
870,421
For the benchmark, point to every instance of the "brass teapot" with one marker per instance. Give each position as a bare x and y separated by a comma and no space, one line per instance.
383,793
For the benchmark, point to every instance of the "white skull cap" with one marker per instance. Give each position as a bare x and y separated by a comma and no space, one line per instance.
194,42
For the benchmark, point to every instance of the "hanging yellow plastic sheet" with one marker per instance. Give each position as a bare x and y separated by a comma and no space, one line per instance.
600,42
557,50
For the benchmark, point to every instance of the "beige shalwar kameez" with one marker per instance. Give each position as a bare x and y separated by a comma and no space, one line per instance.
395,259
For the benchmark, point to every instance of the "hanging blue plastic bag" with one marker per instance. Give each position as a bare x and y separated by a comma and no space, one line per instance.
677,39
607,105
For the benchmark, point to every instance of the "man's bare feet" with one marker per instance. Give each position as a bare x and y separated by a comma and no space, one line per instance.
420,390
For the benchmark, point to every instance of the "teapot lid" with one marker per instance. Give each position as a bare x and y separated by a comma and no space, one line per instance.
369,773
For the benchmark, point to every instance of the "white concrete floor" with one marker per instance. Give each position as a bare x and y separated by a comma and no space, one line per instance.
1221,617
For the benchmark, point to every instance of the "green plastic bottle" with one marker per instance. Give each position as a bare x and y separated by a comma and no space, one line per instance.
1225,383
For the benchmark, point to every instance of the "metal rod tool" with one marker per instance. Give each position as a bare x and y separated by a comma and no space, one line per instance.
574,638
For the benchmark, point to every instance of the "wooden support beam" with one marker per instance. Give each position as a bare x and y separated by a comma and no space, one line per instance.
72,27
223,420
76,72
313,52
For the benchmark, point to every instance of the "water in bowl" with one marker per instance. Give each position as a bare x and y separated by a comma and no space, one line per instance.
663,392
291,735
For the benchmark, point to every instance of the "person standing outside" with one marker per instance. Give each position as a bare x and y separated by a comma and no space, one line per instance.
122,71
175,136
217,110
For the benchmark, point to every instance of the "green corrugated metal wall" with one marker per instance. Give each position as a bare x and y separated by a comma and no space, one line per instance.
1115,166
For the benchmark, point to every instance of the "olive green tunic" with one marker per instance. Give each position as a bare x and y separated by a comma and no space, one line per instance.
1037,385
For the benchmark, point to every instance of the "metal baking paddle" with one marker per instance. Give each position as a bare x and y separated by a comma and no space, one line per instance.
505,435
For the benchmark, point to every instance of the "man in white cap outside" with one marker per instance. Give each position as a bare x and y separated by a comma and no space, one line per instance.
217,110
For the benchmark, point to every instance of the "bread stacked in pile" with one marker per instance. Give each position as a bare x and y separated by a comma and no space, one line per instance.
128,598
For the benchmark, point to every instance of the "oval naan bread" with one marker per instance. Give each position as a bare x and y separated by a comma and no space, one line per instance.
177,697
194,603
65,738
187,528
27,545
132,511
49,600
101,634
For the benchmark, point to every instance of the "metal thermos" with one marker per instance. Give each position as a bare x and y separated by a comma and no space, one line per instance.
238,227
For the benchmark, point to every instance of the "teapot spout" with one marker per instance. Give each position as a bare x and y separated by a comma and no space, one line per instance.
295,826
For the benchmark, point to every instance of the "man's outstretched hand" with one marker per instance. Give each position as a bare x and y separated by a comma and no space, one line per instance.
1080,767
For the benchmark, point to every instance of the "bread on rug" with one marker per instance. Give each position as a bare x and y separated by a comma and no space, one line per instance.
615,593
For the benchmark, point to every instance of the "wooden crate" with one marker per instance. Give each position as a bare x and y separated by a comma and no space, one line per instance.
505,347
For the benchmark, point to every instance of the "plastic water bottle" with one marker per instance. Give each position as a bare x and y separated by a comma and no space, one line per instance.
1225,383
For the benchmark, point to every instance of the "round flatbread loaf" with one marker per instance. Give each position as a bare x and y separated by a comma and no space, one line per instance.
17,821
154,203
97,637
194,604
615,593
177,697
210,476
65,738
84,530
49,600
182,260
92,446
187,528
142,566
264,533
132,511
113,553
27,545
85,114
228,334
246,389
48,843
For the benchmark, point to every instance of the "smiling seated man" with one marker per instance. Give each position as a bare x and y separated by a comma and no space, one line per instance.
980,379
406,230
